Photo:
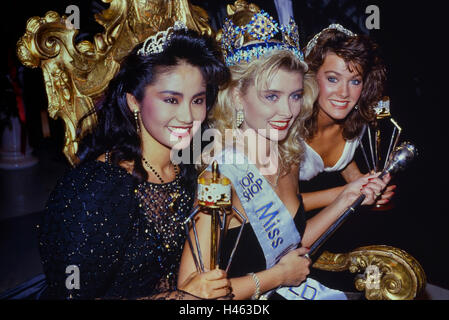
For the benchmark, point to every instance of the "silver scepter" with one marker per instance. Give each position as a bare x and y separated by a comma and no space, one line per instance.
398,160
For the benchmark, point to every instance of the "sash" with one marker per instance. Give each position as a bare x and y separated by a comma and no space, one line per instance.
269,218
271,221
311,290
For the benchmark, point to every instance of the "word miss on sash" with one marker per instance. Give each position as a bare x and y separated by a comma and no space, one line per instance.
268,218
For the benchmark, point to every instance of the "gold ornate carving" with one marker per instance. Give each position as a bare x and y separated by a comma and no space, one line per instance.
332,262
76,74
385,273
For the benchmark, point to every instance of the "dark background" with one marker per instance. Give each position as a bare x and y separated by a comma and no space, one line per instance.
413,41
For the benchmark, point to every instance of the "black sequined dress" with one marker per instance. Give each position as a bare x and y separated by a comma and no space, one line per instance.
122,236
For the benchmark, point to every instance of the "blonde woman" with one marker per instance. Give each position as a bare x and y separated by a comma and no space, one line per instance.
265,103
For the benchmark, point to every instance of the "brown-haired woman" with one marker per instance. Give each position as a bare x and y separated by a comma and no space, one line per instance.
350,77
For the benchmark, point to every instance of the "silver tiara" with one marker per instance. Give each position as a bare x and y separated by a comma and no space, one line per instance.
311,44
155,43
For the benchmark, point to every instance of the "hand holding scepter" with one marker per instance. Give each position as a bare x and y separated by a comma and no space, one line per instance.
398,160
382,132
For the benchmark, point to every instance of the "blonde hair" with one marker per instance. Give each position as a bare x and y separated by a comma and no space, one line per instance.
260,72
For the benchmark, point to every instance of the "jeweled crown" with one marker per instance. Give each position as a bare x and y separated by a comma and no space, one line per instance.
262,34
155,43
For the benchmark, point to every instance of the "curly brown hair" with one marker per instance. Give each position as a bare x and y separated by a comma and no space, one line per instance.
362,54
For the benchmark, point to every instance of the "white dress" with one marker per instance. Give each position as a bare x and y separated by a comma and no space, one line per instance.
313,164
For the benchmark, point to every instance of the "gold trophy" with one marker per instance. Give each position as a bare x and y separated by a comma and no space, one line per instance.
214,198
382,132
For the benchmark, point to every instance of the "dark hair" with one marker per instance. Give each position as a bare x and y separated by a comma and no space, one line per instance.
115,130
361,53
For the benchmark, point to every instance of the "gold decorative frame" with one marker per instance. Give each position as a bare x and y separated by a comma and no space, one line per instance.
76,74
400,276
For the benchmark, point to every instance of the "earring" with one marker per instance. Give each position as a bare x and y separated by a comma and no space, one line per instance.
136,118
356,107
240,118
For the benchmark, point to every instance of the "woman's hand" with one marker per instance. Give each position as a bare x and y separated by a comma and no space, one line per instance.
386,196
208,285
370,185
294,267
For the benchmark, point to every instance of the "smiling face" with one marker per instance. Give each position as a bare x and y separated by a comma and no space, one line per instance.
276,106
173,106
340,88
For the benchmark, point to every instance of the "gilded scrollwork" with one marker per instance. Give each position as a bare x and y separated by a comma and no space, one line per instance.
384,272
76,74
332,262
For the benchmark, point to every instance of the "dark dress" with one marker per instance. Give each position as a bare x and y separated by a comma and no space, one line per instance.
249,258
249,255
122,236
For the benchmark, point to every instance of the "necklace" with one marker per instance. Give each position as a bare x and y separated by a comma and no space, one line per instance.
177,170
173,195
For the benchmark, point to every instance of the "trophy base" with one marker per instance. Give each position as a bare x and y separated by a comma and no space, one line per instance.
383,207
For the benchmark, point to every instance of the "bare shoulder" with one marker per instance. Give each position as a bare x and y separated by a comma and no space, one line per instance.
291,178
292,173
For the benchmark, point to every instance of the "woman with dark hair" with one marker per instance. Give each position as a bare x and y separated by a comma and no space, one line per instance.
350,77
113,226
